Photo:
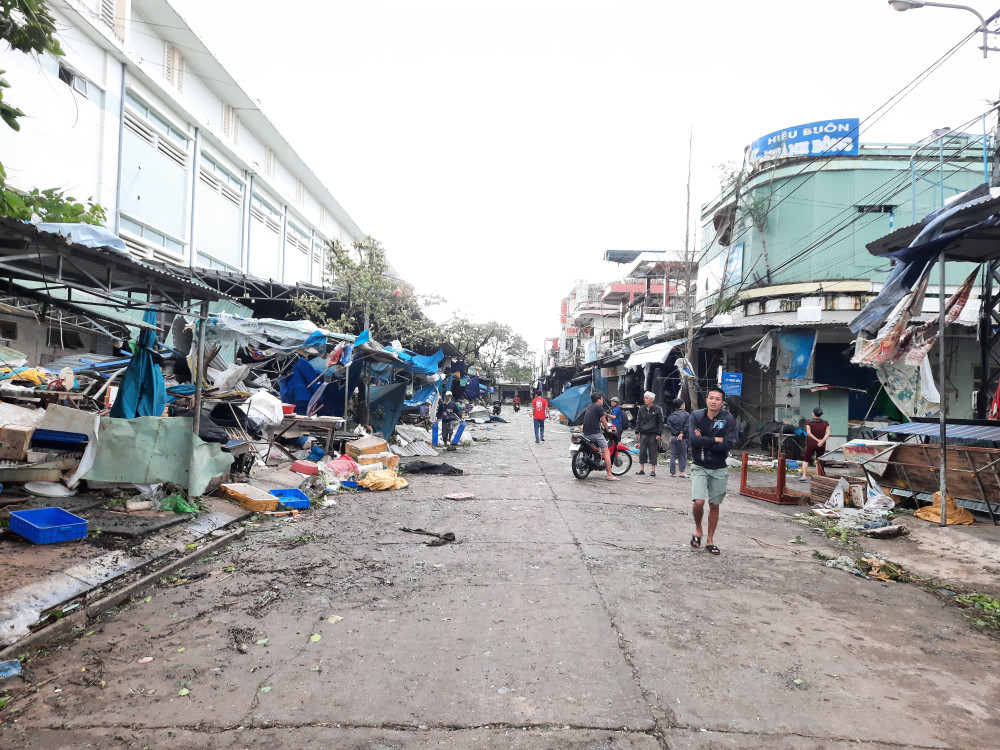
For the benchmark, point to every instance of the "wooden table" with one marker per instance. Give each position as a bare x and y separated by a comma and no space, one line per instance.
327,424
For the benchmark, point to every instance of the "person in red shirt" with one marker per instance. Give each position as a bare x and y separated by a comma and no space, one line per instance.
540,411
817,433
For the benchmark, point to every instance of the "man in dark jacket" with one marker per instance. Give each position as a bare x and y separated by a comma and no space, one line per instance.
677,423
648,426
713,434
448,412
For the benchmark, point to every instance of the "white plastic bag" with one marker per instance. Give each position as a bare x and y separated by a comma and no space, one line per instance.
265,408
836,501
878,500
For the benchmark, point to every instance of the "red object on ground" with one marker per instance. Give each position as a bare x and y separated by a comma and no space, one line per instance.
780,494
288,408
305,467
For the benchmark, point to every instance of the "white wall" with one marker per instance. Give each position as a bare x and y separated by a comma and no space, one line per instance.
71,142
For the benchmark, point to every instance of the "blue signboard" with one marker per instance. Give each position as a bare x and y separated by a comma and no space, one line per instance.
823,138
732,383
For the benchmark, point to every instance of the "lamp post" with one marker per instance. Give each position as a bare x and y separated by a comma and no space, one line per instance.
903,5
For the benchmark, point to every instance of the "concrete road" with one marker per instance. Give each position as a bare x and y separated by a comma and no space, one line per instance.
568,614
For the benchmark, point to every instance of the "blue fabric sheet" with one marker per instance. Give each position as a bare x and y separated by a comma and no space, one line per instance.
472,389
389,400
143,392
798,345
301,383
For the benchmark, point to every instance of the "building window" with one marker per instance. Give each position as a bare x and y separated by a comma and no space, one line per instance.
298,238
230,124
266,214
300,193
80,84
207,261
112,15
150,236
324,215
8,330
173,67
221,180
876,208
158,121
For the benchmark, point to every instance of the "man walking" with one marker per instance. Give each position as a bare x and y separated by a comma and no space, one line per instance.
540,411
677,423
713,434
648,426
593,420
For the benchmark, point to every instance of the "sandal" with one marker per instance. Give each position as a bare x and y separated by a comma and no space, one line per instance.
712,549
696,541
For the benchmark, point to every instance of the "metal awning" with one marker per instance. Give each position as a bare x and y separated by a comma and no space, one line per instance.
28,254
825,387
652,354
964,431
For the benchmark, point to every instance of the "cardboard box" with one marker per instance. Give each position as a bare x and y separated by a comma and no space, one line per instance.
366,446
14,442
388,459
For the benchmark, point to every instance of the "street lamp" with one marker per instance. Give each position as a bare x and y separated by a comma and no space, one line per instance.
902,5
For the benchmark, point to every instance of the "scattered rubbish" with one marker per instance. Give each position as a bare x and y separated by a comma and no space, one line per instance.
177,503
304,467
183,691
460,496
315,637
956,516
439,539
845,563
887,532
385,479
133,506
145,660
419,466
49,489
266,689
334,619
10,668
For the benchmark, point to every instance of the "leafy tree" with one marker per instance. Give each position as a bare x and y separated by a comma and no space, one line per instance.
28,26
389,308
493,346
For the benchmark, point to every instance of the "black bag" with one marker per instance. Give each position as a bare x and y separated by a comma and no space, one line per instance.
625,421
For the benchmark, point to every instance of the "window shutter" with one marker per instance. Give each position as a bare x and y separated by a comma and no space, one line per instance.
269,162
230,124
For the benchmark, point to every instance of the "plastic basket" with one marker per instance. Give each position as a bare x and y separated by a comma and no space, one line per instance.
250,497
349,484
291,498
48,525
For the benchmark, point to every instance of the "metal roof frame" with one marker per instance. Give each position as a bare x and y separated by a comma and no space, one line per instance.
30,254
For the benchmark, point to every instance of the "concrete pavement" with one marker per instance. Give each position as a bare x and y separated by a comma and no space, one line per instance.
568,614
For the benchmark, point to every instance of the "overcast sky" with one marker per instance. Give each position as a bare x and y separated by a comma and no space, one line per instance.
497,149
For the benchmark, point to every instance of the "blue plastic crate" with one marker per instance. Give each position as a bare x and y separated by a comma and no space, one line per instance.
48,525
350,484
291,498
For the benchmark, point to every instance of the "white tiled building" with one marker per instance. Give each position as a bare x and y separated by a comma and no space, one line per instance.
142,118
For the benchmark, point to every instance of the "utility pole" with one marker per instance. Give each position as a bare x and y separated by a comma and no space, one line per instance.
689,302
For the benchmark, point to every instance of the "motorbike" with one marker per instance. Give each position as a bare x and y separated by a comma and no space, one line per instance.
496,408
586,456
517,408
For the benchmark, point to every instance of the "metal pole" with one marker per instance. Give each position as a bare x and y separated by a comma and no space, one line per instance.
200,365
942,390
347,392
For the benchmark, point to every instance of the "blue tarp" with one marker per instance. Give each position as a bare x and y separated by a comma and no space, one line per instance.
303,381
387,399
425,395
573,401
143,393
472,389
798,346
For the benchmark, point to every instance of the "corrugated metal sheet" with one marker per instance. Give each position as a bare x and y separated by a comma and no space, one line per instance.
965,431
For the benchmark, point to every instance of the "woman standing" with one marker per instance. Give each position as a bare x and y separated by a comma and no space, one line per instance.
817,433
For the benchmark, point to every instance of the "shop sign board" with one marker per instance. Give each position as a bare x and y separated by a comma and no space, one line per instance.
732,383
823,138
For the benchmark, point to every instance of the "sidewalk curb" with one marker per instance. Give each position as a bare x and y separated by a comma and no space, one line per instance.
96,609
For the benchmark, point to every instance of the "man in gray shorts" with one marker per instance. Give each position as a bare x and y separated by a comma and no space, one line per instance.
713,433
594,419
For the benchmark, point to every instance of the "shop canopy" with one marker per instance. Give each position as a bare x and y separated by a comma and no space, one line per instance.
657,353
932,429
